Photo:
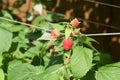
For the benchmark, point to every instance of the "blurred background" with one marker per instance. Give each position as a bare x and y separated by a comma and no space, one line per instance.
97,16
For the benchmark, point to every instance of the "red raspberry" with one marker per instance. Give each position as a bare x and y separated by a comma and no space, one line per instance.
55,33
75,22
67,43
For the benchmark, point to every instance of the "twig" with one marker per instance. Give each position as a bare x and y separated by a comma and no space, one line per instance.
98,34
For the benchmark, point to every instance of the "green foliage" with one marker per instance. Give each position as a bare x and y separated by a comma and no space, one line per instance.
89,76
5,41
48,17
2,77
103,58
109,72
30,53
6,14
1,58
81,61
21,72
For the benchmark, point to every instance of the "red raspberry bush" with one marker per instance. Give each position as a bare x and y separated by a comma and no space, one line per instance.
51,51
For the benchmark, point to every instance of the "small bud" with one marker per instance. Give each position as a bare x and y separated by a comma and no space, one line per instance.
76,31
75,22
66,61
57,49
55,33
51,52
50,44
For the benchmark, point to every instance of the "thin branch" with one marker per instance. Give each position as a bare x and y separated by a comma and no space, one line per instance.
30,25
98,34
103,34
105,4
90,21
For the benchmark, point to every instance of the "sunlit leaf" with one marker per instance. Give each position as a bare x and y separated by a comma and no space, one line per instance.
108,72
22,72
45,36
16,28
14,63
81,61
51,73
1,58
33,51
57,26
7,14
5,40
37,20
2,76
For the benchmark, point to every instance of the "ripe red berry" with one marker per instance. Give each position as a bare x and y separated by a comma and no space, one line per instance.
55,33
67,43
75,22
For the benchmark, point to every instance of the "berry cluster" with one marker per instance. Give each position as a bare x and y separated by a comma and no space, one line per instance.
67,42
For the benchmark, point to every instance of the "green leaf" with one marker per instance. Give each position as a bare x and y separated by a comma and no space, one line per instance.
14,63
5,24
2,77
68,32
15,12
47,17
33,51
47,76
52,17
54,68
5,40
88,41
22,72
44,24
51,73
51,26
89,76
46,59
37,20
40,69
18,54
16,28
109,72
21,39
11,27
1,58
57,26
103,58
52,77
81,61
45,36
6,14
